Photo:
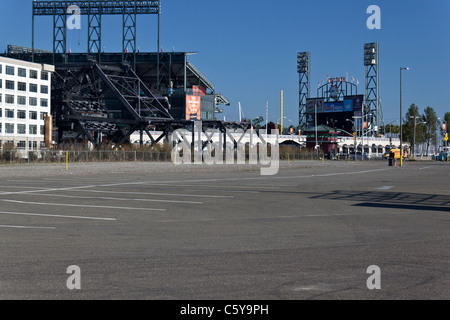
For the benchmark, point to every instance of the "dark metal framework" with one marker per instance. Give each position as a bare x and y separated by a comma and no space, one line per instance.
94,10
304,70
94,100
343,89
373,113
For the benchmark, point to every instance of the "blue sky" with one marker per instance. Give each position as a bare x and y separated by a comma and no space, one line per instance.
248,48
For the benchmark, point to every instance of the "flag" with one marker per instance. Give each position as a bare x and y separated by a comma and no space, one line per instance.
357,82
353,79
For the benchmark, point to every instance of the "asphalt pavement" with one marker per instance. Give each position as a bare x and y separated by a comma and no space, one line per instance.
311,232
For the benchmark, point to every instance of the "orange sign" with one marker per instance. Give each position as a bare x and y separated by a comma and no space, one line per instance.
193,108
444,127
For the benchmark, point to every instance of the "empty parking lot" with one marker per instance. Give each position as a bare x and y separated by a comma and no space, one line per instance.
156,231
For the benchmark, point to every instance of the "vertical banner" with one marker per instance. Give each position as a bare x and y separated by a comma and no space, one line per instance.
193,108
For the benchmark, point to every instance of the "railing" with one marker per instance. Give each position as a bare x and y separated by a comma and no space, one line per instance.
86,156
14,156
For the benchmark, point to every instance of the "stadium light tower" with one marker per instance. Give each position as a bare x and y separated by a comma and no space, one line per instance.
304,70
371,62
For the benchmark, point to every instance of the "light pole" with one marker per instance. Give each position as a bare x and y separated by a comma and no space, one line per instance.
390,132
414,137
401,118
355,125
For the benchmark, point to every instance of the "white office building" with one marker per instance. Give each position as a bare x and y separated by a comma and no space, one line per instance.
25,101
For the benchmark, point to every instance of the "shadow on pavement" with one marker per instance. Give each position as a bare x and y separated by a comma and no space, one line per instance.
392,200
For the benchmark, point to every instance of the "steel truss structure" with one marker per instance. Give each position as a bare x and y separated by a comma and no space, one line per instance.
95,10
304,70
94,100
343,89
373,113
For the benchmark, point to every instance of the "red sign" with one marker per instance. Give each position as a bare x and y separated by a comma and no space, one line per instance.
444,127
193,108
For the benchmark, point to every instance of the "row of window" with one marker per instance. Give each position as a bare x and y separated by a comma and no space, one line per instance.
32,145
22,86
22,114
22,129
22,101
21,72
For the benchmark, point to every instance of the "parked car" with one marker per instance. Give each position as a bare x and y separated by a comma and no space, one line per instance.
443,156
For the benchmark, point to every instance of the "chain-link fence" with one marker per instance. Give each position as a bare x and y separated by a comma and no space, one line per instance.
46,156
80,156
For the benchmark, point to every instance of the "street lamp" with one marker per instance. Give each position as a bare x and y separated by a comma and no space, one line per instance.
390,131
355,125
414,137
401,118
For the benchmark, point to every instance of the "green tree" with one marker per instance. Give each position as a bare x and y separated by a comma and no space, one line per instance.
408,126
430,130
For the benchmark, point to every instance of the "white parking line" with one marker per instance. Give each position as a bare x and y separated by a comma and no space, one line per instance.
55,216
113,199
25,227
384,188
80,205
159,194
190,181
210,186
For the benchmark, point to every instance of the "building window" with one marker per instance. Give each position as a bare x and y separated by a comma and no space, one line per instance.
22,73
22,86
33,74
22,144
1,96
44,89
1,112
32,145
42,131
33,115
10,99
9,85
33,102
9,113
21,114
1,83
44,103
10,70
9,128
43,115
44,75
22,129
33,87
21,100
33,130
0,132
1,68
